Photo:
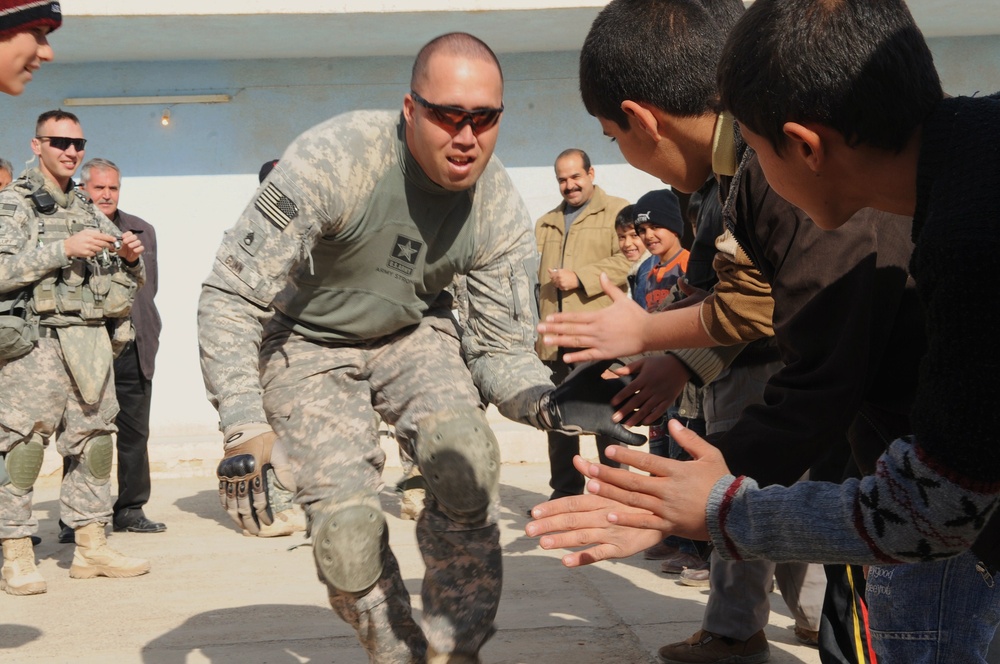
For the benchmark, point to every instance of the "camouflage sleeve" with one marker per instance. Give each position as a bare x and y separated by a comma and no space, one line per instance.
315,185
500,331
137,271
21,262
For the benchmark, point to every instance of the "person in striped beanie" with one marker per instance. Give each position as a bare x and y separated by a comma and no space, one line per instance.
24,45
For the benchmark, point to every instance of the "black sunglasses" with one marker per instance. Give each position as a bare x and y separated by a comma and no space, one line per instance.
455,118
63,142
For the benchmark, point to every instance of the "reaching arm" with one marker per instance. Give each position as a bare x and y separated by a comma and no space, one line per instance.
623,329
906,512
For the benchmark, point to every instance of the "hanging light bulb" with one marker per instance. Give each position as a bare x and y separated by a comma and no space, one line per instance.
165,118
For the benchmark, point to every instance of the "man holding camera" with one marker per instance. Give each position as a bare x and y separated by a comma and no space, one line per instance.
65,269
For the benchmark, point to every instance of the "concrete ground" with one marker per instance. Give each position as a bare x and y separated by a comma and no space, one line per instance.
216,596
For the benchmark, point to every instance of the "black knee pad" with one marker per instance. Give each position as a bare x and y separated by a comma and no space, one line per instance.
460,460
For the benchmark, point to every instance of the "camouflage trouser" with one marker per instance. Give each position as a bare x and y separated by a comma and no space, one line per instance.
320,399
38,394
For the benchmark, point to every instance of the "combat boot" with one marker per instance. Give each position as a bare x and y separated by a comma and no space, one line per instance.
413,491
19,576
287,522
412,504
93,557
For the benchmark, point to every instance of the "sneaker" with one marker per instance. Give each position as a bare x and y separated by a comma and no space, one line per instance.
660,551
681,561
696,577
809,637
704,647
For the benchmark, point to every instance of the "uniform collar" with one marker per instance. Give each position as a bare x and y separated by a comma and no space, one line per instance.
412,170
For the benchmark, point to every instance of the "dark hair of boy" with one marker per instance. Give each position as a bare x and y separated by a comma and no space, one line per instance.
678,78
865,71
626,217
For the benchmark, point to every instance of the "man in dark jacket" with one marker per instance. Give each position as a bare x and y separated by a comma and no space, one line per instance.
134,367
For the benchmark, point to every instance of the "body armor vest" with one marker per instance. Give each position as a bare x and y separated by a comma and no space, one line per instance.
85,291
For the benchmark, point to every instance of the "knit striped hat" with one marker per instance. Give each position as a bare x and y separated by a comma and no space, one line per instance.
23,15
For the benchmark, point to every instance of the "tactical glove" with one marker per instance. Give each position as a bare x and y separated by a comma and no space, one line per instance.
582,404
242,476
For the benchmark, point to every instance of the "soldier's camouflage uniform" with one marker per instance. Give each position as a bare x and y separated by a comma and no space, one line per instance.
64,386
350,245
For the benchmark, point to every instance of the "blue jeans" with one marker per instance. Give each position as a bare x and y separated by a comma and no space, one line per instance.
932,613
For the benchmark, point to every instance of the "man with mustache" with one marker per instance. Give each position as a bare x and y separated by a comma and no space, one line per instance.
577,242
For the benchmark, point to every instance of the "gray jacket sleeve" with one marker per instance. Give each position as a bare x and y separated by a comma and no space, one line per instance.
908,511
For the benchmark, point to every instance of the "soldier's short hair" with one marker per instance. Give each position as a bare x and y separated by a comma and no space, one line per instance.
452,43
55,114
6,166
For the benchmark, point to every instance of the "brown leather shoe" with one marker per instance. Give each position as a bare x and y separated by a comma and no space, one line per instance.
704,647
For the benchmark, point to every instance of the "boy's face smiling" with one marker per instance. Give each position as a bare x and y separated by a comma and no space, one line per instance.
659,241
20,56
630,244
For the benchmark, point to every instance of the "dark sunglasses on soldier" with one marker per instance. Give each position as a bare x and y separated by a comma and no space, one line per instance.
63,142
455,118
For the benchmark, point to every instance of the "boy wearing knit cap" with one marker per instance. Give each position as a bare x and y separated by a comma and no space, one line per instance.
659,225
24,29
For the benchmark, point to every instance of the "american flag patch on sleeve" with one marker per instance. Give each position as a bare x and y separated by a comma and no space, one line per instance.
276,207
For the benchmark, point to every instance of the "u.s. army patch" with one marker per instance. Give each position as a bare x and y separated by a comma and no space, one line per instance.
276,207
7,209
404,254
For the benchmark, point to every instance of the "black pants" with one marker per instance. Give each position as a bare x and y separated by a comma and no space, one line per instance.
134,394
566,480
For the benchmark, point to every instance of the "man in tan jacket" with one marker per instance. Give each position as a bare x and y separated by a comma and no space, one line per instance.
577,242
